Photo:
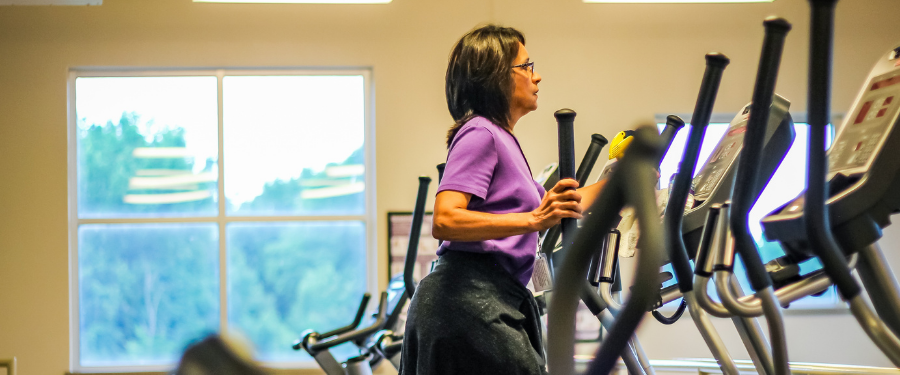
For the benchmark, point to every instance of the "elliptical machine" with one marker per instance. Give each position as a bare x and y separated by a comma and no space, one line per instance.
371,354
639,302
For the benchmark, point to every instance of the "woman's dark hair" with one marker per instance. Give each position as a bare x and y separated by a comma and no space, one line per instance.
478,81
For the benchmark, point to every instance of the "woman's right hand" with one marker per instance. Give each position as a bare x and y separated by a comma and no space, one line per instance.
560,202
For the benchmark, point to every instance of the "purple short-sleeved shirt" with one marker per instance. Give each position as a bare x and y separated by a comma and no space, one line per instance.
486,161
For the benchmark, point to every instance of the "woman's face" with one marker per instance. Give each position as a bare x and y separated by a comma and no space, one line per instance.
525,80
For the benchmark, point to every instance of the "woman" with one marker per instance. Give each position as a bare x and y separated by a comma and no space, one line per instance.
474,314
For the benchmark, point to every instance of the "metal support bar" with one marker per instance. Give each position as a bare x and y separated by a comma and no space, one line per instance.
881,285
876,329
710,336
775,321
629,355
753,338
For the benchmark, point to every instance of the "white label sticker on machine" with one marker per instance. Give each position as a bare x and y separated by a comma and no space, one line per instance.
540,278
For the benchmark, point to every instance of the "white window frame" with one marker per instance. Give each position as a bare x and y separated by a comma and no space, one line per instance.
222,219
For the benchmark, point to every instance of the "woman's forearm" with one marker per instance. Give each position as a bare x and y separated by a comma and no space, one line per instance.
453,221
589,193
462,225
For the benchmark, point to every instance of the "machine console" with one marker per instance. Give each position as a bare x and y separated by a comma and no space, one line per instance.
863,172
865,132
713,184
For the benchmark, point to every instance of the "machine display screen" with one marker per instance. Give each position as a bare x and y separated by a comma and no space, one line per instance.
871,121
881,104
878,106
885,83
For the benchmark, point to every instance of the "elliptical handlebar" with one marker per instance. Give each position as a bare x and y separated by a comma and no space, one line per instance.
745,192
678,193
640,166
565,121
673,125
415,232
440,168
816,217
590,158
817,221
314,346
356,320
584,171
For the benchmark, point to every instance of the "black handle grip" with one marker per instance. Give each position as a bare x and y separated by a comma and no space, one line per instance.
776,30
356,320
414,233
709,87
673,125
590,158
565,121
818,226
440,168
704,266
358,334
584,171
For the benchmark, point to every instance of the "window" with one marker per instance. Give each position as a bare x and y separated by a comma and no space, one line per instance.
786,184
205,201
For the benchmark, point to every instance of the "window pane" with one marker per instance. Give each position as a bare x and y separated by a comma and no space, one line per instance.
295,145
669,165
284,278
788,181
145,291
147,146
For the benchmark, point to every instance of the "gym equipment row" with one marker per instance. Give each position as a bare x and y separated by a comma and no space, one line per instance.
837,222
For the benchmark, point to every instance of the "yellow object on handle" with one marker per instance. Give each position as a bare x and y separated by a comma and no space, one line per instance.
619,143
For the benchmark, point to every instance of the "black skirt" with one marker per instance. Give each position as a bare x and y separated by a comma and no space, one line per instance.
470,316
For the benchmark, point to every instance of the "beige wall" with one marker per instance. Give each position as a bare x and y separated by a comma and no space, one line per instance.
612,63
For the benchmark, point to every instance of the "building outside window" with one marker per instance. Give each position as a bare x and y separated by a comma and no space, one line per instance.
210,201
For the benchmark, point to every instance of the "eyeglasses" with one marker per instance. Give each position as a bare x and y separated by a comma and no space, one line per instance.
529,67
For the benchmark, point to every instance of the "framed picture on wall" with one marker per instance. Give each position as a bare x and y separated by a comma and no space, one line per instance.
399,224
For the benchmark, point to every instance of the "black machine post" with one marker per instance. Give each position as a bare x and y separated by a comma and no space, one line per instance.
746,190
639,164
414,234
747,187
818,226
709,87
565,121
590,158
673,125
548,242
440,168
